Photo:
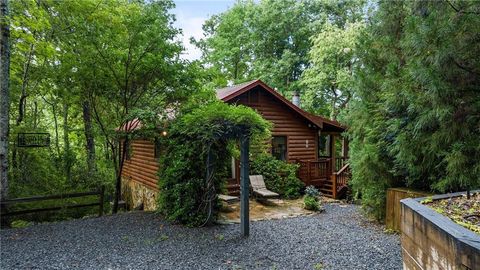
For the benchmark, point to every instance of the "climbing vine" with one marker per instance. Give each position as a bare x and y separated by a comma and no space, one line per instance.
197,154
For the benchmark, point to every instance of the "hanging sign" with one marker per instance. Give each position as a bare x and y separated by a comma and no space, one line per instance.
33,139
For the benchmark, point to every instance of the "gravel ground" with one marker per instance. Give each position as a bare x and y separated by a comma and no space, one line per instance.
339,238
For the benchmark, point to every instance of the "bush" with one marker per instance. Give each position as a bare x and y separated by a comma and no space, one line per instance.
312,191
280,177
311,203
185,195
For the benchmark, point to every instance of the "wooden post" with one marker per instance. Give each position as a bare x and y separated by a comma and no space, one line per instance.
244,186
334,185
101,200
332,153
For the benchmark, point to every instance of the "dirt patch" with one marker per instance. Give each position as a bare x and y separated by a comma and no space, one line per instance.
463,211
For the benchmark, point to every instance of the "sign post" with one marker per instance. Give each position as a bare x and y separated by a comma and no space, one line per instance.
244,186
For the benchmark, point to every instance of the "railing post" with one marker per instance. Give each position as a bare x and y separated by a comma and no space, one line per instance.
334,185
333,153
101,200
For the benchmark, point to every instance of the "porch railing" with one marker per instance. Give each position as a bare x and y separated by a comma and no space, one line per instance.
313,172
319,173
340,162
340,179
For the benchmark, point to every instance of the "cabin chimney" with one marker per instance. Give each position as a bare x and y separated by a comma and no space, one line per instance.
296,99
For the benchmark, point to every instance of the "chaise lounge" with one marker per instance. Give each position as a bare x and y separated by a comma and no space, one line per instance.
259,189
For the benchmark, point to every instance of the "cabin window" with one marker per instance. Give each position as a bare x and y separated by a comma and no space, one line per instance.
157,148
279,147
324,145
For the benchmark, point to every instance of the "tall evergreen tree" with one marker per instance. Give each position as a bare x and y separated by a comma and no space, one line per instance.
416,111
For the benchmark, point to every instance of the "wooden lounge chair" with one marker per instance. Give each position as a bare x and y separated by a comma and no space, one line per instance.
227,198
259,189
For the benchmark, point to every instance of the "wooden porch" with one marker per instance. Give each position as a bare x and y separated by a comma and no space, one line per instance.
331,178
329,175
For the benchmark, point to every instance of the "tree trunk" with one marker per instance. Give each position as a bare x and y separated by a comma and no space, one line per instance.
35,115
55,121
4,96
23,98
89,137
118,181
66,141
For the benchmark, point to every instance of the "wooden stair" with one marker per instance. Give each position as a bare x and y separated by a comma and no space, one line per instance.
233,189
327,189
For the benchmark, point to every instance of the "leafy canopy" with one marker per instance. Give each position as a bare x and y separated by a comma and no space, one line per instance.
269,39
329,79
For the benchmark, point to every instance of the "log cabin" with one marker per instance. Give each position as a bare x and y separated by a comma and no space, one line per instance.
314,142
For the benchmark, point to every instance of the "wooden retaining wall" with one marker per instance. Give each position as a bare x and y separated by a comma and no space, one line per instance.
393,213
433,241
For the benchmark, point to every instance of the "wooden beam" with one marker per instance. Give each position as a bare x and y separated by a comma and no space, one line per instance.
244,186
332,153
334,185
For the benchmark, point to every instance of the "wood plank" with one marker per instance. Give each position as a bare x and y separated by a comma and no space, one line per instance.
393,206
49,197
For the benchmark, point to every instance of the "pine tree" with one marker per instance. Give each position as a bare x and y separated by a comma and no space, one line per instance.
415,117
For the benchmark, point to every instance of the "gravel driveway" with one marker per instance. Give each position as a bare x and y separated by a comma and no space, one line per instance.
339,238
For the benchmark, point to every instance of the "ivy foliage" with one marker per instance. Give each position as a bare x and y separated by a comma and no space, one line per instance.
187,195
280,176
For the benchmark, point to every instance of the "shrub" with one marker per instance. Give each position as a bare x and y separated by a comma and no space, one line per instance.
186,194
280,177
312,191
311,203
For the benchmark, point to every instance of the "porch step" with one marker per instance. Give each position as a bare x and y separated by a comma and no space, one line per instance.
233,189
326,192
325,187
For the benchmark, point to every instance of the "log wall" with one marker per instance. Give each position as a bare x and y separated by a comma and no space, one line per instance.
301,138
142,167
301,135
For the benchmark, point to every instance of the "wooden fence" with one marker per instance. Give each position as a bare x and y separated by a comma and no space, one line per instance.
99,192
393,212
